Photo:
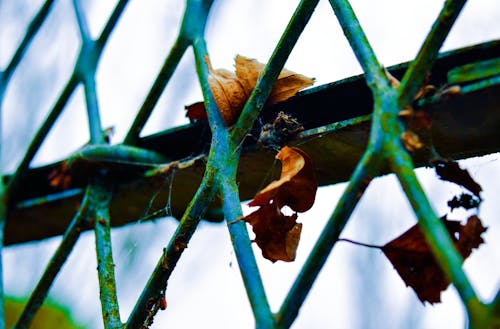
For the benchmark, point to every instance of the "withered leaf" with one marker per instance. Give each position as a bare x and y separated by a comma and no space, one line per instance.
276,134
228,92
412,258
196,112
464,200
231,91
276,235
60,177
411,141
450,171
297,185
287,85
470,236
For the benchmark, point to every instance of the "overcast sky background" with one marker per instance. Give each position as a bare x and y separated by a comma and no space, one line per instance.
358,287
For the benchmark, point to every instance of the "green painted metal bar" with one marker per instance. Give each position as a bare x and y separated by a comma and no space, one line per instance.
242,246
40,135
272,70
161,81
79,222
100,199
415,75
195,16
367,168
157,283
60,103
31,31
375,75
226,167
3,218
110,24
192,27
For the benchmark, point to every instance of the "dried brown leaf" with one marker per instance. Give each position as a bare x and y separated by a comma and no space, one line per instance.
450,171
276,235
412,257
411,141
60,177
287,85
231,91
228,92
297,185
196,111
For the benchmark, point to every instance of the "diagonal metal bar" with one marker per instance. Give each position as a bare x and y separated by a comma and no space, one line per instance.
226,167
419,68
59,106
375,76
31,31
110,24
192,27
272,70
157,283
54,266
161,81
367,168
40,135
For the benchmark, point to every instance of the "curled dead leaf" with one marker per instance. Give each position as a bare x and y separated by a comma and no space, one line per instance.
411,141
450,170
196,112
276,134
411,256
296,186
276,234
287,85
60,177
231,91
228,93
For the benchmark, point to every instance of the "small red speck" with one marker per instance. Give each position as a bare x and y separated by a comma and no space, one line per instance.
163,303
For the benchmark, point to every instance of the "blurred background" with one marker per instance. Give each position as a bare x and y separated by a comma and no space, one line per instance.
358,288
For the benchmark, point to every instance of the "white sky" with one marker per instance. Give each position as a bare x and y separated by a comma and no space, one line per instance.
206,290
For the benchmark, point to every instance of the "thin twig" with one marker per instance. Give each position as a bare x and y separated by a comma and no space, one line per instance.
360,243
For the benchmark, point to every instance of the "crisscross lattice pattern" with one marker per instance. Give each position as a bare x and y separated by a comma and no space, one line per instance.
384,151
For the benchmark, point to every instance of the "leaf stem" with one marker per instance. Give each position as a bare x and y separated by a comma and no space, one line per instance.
360,243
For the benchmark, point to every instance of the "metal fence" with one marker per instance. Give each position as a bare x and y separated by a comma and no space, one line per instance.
384,152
